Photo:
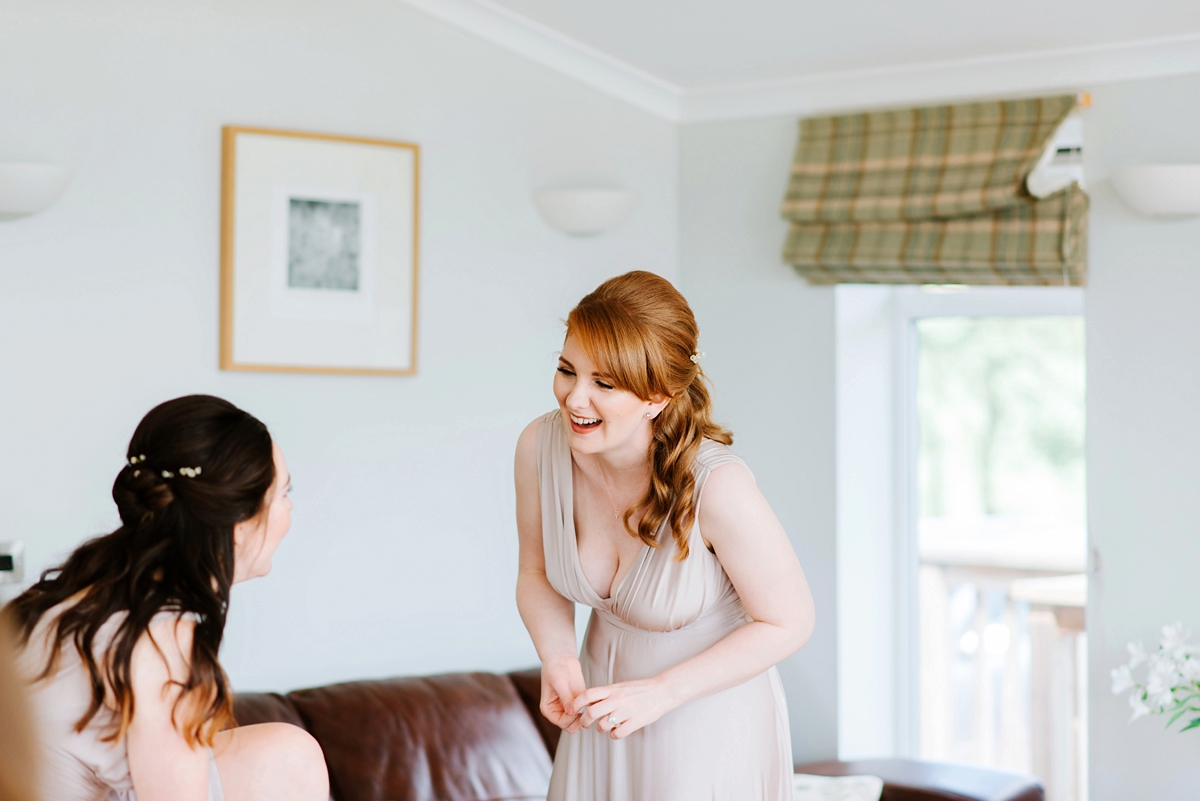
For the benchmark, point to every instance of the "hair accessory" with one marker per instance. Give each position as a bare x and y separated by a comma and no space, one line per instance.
697,356
190,472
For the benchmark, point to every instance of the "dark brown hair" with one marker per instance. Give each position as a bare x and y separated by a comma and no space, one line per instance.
173,551
642,335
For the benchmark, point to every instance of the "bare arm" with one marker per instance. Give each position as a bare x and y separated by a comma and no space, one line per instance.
549,617
755,552
163,766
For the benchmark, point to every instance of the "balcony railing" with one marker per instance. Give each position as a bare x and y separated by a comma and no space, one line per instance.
1003,652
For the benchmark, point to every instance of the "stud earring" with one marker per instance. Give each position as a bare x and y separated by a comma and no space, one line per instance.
649,415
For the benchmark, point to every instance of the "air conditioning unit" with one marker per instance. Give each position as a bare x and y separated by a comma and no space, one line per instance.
1062,163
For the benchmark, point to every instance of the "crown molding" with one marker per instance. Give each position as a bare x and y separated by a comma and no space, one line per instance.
560,53
1066,69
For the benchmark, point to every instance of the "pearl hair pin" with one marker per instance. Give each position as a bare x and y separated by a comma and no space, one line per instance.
697,356
190,472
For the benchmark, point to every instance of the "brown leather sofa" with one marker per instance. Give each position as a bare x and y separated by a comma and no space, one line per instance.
480,737
457,737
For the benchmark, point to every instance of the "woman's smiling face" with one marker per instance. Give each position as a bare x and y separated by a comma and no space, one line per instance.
599,417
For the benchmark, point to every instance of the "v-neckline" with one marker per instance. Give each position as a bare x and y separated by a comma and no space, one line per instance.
573,536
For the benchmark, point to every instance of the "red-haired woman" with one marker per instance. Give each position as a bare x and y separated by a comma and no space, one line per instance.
119,643
630,501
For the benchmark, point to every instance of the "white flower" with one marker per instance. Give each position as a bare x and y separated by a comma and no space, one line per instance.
1137,654
1172,636
1162,677
1138,706
1162,701
1122,680
1170,663
1190,667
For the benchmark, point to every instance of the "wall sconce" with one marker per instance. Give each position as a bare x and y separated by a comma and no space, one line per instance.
27,188
1167,191
583,212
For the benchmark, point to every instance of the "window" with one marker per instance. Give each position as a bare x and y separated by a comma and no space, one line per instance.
1001,544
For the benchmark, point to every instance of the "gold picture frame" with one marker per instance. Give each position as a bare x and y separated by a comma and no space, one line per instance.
319,253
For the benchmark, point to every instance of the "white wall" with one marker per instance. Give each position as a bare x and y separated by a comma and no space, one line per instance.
402,554
1143,438
769,340
108,305
867,541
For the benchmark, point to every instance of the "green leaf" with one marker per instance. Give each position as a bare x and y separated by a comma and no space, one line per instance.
1183,711
1195,722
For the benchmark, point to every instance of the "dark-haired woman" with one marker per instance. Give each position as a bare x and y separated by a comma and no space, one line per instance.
119,643
630,501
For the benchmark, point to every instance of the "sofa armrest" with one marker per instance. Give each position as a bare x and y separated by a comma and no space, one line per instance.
529,687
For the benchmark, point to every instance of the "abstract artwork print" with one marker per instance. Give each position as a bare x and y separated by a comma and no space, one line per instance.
324,243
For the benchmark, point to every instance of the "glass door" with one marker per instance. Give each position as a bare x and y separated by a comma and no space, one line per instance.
1002,545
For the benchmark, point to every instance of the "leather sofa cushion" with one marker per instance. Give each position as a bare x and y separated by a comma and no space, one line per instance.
922,780
458,737
251,708
529,687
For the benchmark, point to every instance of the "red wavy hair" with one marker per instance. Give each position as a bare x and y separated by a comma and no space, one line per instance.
642,334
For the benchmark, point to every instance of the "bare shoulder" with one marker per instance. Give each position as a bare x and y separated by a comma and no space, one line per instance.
732,507
527,442
164,651
526,459
525,476
727,473
727,483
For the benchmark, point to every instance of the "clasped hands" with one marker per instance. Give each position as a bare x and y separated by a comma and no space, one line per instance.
632,704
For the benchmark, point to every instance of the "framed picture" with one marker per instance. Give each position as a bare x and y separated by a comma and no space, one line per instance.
318,253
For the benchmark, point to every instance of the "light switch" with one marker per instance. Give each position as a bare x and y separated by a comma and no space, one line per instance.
12,562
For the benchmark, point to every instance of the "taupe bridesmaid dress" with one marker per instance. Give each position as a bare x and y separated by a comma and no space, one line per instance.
81,765
731,746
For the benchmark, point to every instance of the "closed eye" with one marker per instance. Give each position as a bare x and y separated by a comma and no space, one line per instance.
603,385
566,372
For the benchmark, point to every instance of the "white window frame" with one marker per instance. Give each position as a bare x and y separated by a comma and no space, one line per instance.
912,304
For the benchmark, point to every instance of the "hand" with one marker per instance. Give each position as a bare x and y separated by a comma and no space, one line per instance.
633,704
562,678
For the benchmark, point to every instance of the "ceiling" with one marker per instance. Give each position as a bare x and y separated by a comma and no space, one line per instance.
695,60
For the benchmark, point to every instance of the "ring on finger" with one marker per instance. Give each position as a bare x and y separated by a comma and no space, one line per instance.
613,722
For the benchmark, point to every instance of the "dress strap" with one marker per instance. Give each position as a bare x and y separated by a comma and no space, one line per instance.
711,455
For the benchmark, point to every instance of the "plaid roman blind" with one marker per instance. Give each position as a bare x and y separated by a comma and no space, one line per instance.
934,195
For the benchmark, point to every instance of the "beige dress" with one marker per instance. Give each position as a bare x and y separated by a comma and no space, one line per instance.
730,746
80,766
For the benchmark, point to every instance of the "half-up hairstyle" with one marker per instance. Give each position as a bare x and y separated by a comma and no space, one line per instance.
196,466
642,335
